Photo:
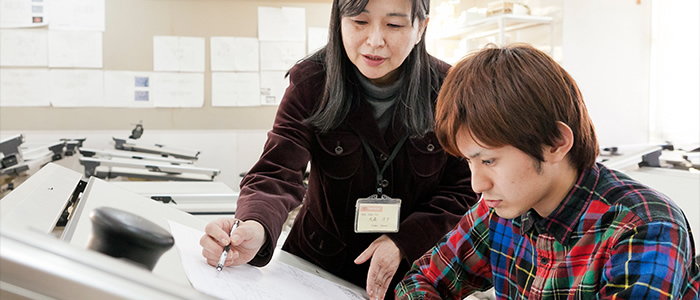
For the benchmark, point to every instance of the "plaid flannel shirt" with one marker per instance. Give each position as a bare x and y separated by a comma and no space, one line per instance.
610,238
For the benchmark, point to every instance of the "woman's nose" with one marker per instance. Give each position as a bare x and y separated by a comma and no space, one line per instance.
376,37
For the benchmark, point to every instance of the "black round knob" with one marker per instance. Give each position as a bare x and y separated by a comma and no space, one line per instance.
122,234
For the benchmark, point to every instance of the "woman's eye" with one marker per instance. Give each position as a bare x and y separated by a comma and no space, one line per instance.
395,25
487,162
360,22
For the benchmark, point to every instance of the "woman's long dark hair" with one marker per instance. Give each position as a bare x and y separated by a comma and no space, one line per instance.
420,73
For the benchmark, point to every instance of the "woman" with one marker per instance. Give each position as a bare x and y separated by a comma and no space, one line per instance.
362,104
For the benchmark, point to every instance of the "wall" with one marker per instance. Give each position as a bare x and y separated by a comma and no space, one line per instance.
675,72
128,45
229,138
606,48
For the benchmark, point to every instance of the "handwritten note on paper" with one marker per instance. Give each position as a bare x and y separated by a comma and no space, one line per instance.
277,280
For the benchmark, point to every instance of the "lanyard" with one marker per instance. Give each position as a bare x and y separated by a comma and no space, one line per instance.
380,173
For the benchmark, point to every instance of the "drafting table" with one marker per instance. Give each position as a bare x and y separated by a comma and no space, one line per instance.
87,152
30,158
682,186
114,167
53,186
10,150
42,265
193,197
45,153
27,161
72,145
134,145
631,157
39,266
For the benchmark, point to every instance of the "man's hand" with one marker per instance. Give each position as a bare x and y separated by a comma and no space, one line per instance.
245,241
385,261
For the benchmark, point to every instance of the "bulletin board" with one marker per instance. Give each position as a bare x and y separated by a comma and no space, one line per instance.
130,26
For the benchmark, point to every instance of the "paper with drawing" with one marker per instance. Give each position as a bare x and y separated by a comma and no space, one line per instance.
277,280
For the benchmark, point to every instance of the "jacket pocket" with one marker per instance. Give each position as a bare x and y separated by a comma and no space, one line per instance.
340,155
426,155
319,245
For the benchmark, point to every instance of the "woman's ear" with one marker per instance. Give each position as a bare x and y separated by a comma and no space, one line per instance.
562,144
421,29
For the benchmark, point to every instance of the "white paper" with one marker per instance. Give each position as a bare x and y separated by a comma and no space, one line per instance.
277,280
282,24
76,88
318,38
280,56
75,49
178,54
272,87
77,15
178,89
24,87
22,13
128,89
27,48
235,89
234,54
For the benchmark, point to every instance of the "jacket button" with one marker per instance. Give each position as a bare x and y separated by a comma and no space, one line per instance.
338,150
383,157
430,147
544,260
384,183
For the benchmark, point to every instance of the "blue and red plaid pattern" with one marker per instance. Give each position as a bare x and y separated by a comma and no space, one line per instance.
610,238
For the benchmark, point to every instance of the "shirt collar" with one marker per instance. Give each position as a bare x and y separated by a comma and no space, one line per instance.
565,218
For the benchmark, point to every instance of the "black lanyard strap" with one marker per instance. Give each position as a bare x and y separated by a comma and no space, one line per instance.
380,173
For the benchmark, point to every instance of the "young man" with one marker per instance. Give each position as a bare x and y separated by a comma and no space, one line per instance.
551,223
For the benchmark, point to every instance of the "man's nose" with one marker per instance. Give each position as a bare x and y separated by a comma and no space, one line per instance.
480,182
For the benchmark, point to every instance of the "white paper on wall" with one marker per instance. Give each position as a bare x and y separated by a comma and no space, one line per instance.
178,89
75,49
22,13
178,54
24,87
77,15
128,89
280,56
272,87
76,88
234,54
27,48
235,89
318,38
282,24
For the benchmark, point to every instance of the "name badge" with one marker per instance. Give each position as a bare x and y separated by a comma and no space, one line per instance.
377,214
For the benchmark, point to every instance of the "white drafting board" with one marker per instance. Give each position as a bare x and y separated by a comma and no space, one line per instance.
277,280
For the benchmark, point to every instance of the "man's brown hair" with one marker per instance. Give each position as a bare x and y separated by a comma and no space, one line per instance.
514,95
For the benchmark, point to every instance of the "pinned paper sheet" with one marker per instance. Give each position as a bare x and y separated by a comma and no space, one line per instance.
277,280
22,13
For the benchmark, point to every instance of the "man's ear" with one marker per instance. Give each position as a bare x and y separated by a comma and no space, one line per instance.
562,145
